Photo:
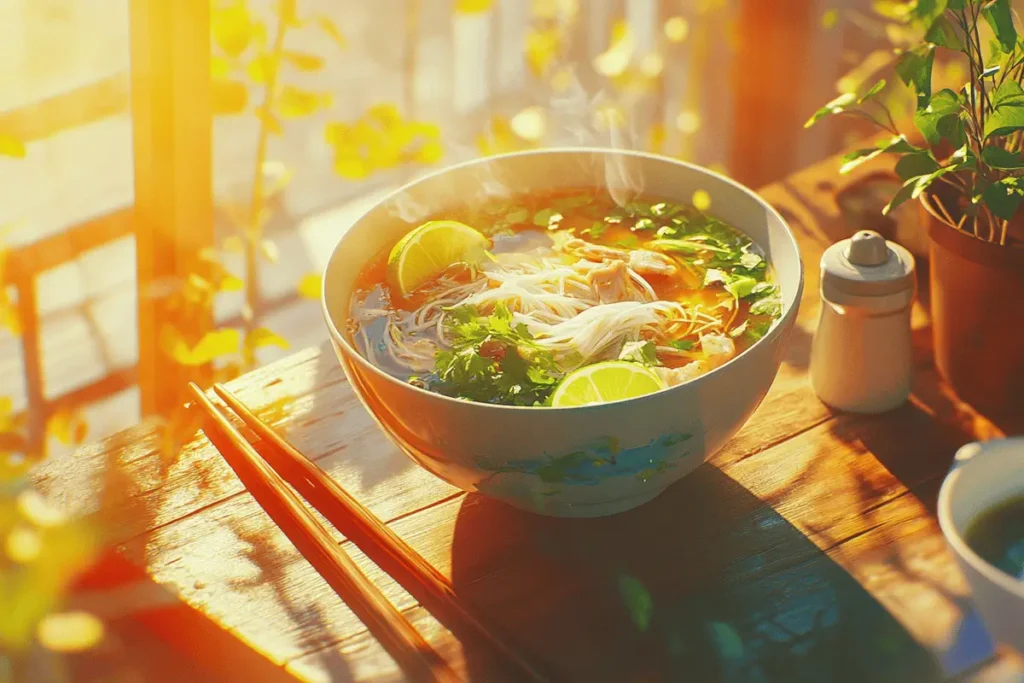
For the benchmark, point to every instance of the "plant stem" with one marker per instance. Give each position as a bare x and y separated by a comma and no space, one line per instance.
981,66
255,232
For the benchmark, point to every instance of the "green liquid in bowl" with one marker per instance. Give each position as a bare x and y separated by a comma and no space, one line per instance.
998,537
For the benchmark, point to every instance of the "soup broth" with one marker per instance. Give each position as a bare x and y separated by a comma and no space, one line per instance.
998,537
572,278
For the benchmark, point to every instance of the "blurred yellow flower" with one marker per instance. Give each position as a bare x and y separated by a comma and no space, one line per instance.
688,122
676,29
615,60
530,124
23,544
69,631
701,200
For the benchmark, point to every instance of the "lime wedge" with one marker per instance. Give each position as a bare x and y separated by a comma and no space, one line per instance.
430,249
603,382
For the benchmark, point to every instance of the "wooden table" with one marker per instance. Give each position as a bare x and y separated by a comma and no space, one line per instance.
806,550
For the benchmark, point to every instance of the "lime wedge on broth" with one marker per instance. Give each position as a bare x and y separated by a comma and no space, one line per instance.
429,250
605,382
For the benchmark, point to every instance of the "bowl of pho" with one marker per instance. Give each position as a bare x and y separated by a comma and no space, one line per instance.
566,330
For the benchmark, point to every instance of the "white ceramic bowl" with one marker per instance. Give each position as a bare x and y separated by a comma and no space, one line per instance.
983,476
572,462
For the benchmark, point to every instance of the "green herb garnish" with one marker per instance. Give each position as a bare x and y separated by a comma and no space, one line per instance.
547,218
643,352
494,360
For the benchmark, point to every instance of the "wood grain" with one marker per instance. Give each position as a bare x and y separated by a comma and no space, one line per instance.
806,549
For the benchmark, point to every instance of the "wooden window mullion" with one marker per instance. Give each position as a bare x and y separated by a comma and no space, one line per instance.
172,147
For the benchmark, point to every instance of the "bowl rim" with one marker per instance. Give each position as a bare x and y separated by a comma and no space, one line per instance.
944,506
787,318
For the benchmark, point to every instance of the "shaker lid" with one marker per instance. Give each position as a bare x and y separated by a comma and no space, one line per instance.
867,265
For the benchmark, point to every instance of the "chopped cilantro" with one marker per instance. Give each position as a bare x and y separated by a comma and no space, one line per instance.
643,224
547,218
518,215
681,344
494,360
566,203
768,306
643,352
595,230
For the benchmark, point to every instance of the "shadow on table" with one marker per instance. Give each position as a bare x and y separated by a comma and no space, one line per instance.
705,583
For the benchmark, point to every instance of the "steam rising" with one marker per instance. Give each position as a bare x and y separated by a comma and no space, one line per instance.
574,119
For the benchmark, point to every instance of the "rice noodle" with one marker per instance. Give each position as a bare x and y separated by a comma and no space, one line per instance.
559,302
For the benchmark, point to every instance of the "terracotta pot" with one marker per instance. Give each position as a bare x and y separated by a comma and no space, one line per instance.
977,308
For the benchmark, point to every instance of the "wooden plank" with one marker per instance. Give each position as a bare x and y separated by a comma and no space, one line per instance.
55,250
31,352
86,104
172,130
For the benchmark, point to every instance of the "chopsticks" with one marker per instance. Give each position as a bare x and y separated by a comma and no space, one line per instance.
268,473
416,658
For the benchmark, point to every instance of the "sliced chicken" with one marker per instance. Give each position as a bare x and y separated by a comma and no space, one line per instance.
609,280
642,261
690,371
651,263
718,348
594,252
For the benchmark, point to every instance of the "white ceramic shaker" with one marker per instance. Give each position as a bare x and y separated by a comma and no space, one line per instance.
861,353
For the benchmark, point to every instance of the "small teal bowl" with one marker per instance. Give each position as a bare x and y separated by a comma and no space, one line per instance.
586,461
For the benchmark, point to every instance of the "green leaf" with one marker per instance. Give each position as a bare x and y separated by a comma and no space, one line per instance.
1004,159
1007,113
900,197
943,34
962,159
741,286
916,165
836,106
643,352
1003,198
727,641
944,103
1000,18
952,128
638,601
874,90
927,11
11,146
914,68
897,144
547,218
955,4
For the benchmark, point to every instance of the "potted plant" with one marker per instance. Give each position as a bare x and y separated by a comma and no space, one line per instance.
969,180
